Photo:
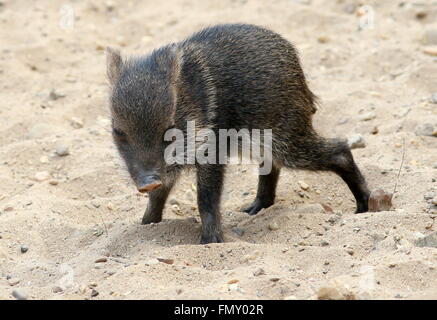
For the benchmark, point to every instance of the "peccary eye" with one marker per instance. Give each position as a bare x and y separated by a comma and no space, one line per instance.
118,133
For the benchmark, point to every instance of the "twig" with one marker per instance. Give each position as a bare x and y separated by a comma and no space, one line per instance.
400,168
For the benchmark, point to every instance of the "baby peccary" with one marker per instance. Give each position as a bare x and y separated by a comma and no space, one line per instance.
233,76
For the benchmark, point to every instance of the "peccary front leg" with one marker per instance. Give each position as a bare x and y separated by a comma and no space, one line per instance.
265,195
157,199
209,189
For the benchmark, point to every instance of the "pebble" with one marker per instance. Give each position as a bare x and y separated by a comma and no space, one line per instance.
42,176
13,281
433,98
44,159
238,231
273,226
101,260
429,195
76,123
426,129
55,96
62,149
174,201
311,208
177,210
367,116
54,182
19,294
356,141
323,39
434,201
430,37
432,51
57,289
303,185
259,272
94,293
166,261
380,200
429,241
24,248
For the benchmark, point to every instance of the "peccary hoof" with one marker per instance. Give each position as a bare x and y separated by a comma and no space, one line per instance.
211,238
147,219
256,206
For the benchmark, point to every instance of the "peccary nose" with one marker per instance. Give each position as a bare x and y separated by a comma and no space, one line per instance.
150,186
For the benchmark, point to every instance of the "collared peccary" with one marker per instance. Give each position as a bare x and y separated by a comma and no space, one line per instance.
230,76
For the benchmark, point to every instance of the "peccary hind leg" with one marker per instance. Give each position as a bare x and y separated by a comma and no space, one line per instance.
265,195
334,155
209,189
157,199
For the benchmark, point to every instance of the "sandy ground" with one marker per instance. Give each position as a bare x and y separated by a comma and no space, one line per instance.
78,215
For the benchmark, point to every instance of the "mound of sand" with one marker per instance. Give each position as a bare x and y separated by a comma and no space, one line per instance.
70,217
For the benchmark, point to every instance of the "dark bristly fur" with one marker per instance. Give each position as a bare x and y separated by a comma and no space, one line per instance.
226,76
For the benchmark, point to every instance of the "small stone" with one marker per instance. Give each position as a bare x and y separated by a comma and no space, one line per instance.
259,272
380,200
13,281
233,281
19,294
234,287
24,248
311,208
42,176
356,141
62,149
166,261
430,37
323,39
429,241
174,201
101,260
429,195
177,210
430,50
434,201
273,226
303,185
54,182
275,279
57,289
433,98
324,243
350,251
94,293
421,15
110,206
179,291
44,159
76,123
426,129
375,130
367,116
238,231
55,96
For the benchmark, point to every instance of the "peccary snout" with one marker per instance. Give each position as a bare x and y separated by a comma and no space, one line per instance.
149,183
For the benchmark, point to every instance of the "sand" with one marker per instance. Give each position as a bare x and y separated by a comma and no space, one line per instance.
74,209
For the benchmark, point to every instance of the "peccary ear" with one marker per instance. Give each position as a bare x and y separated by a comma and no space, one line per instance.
113,64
